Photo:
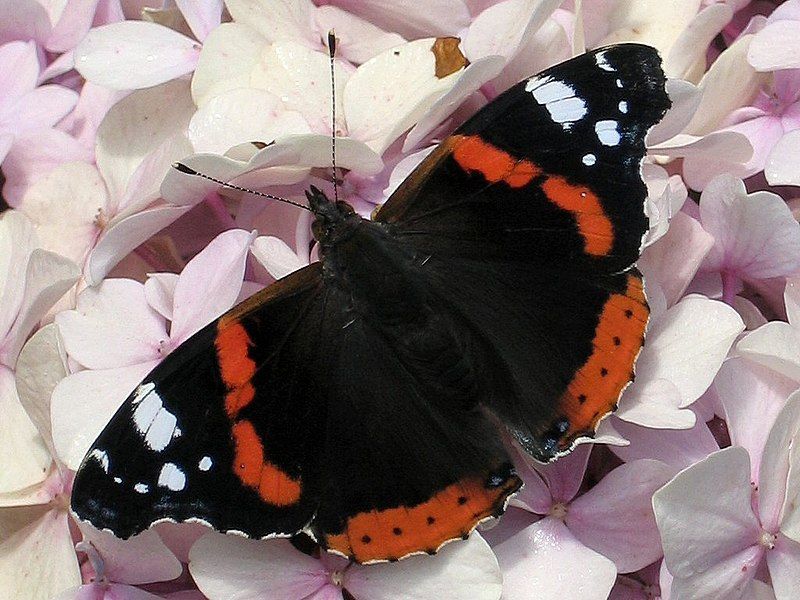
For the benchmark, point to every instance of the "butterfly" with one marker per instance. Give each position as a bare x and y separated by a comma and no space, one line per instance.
362,399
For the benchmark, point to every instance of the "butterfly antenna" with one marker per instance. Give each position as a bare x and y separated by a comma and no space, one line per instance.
189,171
331,53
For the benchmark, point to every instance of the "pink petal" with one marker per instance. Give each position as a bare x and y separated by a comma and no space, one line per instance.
756,234
763,133
751,396
141,559
93,105
535,495
72,26
666,194
240,116
546,561
615,517
134,55
674,259
19,70
781,164
564,476
35,154
23,20
39,561
775,47
112,326
137,125
218,271
43,107
685,97
784,566
126,235
202,16
461,570
704,515
23,454
159,290
180,537
679,448
230,566
17,241
106,591
773,478
411,19
357,40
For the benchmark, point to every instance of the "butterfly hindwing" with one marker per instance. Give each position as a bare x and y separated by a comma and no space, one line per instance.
528,220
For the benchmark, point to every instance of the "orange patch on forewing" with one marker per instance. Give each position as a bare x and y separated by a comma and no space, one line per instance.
474,155
596,387
593,223
397,532
272,484
235,365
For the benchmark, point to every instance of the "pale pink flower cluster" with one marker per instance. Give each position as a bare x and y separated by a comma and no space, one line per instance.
109,259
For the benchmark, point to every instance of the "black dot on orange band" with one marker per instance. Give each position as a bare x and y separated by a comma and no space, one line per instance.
582,398
431,520
366,539
462,499
397,531
628,313
617,341
603,372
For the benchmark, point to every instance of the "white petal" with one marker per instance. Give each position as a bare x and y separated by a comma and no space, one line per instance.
655,403
704,513
781,167
277,20
41,365
112,326
84,403
23,454
727,579
473,77
301,78
776,496
775,47
242,115
464,570
183,189
276,256
615,517
17,241
136,126
48,277
126,235
203,17
688,344
389,93
314,150
545,562
218,270
685,98
687,57
775,345
159,290
134,54
39,561
226,566
141,559
751,397
229,54
410,18
784,568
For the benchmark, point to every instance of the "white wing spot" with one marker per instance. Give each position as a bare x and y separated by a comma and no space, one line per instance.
619,83
602,62
559,99
171,477
117,479
142,391
205,463
153,421
142,488
623,107
589,159
607,133
101,456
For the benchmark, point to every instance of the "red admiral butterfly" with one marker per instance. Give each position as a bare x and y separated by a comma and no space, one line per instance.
357,400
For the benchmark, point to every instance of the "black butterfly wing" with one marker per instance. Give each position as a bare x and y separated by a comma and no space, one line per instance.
291,414
528,220
209,437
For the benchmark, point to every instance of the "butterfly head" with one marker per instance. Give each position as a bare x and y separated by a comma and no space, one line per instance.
333,221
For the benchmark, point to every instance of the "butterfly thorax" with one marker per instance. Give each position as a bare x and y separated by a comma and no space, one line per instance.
333,221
